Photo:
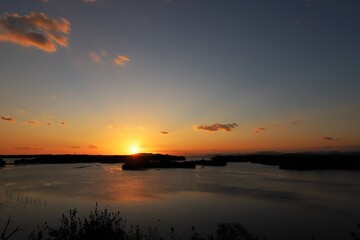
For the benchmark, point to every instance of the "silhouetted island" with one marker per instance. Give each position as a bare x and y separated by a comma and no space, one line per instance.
290,161
147,160
300,161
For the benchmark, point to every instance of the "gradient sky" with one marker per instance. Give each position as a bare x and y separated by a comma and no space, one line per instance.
179,76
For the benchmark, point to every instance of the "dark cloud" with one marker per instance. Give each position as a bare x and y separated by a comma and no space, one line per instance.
35,30
294,122
8,119
216,127
164,132
330,139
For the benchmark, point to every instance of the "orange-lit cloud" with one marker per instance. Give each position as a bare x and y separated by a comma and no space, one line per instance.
75,147
35,30
33,122
121,60
164,132
92,146
8,119
98,56
216,127
63,123
29,148
95,57
259,129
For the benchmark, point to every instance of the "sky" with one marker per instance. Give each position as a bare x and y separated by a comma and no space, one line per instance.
179,76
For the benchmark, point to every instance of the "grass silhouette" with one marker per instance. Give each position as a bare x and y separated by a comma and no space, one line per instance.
108,225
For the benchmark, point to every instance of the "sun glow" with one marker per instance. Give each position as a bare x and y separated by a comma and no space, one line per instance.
134,149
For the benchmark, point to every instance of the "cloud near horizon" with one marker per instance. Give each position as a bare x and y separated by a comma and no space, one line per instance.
29,148
93,146
121,60
8,119
216,127
164,132
76,147
330,139
35,30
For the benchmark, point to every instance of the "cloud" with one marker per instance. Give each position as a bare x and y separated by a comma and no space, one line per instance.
33,122
29,148
63,123
164,132
216,127
113,125
330,139
294,122
8,119
259,129
121,60
89,1
98,56
95,57
93,146
75,147
35,30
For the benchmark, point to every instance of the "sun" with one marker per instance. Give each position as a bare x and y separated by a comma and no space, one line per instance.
134,149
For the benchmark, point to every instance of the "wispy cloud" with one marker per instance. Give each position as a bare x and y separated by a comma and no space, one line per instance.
216,127
121,60
259,129
33,122
29,148
98,56
75,147
8,119
164,132
35,30
113,125
93,146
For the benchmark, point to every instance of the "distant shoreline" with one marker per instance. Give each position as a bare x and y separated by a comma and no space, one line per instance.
288,161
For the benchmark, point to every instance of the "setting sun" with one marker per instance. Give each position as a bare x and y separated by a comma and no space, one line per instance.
134,149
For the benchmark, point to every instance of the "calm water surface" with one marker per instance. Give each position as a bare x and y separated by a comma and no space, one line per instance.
269,202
